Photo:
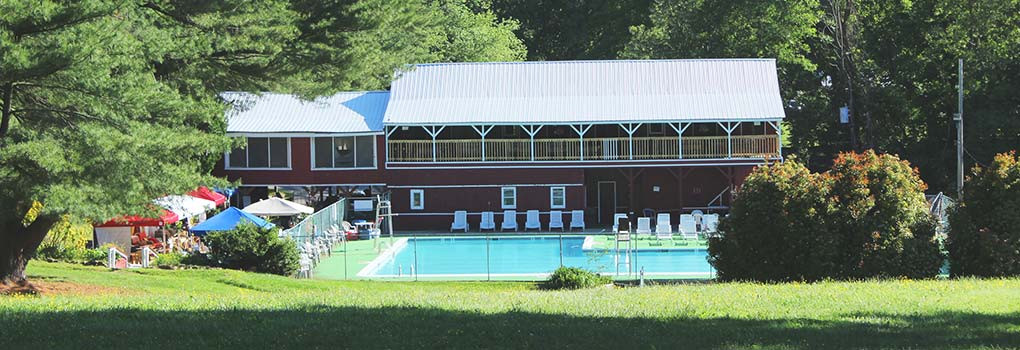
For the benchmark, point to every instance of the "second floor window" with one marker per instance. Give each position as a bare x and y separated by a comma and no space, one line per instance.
508,197
261,153
344,152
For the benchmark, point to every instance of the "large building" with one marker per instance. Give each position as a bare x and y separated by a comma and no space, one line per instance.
601,136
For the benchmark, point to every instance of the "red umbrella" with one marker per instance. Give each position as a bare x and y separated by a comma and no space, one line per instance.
205,193
168,217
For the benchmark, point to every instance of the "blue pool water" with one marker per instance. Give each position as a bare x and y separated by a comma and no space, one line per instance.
529,256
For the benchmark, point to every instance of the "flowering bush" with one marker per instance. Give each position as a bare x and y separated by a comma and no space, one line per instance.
984,228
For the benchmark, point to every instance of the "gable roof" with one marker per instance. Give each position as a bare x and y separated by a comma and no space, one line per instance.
345,112
586,91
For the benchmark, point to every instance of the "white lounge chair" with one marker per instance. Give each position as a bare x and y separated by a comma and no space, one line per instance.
488,221
509,220
577,219
688,227
616,220
459,221
710,224
556,219
697,219
644,226
532,222
663,228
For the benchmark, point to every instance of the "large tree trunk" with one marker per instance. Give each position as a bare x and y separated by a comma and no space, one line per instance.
18,244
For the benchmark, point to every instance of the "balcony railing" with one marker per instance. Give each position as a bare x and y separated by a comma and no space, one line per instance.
588,149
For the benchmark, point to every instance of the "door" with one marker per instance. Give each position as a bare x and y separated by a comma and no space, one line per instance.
607,201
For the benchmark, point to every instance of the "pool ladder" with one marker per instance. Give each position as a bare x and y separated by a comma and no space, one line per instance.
623,236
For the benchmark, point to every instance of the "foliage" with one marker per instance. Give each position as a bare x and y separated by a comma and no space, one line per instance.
260,309
68,235
984,228
866,217
197,260
251,248
95,256
575,278
774,231
170,259
880,210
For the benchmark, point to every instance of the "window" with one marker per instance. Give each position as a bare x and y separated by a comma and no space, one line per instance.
557,197
344,152
417,199
261,153
509,197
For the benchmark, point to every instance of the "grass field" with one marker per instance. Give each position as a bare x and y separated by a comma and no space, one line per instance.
90,307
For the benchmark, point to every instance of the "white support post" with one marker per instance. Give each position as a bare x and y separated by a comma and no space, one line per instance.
482,132
729,127
630,129
680,128
387,137
581,130
779,133
532,131
432,131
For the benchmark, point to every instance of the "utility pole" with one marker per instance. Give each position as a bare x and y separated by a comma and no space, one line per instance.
959,132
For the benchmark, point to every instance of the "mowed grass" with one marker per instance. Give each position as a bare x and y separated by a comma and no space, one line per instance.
96,308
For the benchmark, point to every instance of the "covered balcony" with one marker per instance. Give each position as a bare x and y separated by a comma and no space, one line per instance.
584,143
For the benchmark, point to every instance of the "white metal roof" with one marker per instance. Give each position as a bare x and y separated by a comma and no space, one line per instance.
345,112
586,91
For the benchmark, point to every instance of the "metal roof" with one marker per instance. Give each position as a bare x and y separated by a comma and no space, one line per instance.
345,112
586,91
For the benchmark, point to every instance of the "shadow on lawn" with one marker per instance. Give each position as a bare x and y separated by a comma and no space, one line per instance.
392,327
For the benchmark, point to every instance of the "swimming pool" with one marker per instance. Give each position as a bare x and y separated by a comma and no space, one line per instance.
524,256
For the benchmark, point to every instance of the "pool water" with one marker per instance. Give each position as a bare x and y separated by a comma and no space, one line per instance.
524,256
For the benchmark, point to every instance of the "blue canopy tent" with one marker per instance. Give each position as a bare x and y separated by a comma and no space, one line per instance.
228,220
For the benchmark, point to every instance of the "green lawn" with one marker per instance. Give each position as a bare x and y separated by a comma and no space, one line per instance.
193,309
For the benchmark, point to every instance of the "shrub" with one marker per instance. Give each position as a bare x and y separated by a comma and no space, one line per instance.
882,218
866,217
170,259
575,278
197,260
984,228
66,240
251,248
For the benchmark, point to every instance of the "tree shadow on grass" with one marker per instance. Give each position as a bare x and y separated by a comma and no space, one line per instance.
400,328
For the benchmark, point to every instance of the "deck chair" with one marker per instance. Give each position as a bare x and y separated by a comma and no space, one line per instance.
663,229
577,219
688,227
532,222
509,220
697,219
459,221
488,221
556,219
644,226
710,224
616,221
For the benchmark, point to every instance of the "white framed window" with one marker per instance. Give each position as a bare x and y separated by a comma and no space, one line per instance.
260,153
558,197
346,152
508,197
417,199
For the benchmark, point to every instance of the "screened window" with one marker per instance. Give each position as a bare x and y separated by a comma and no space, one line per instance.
417,199
344,152
557,197
261,153
509,197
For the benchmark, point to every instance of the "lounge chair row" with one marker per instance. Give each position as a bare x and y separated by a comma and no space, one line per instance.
488,221
688,228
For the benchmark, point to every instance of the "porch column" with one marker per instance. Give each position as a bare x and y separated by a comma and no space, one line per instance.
729,127
389,132
630,129
779,133
680,128
433,131
482,132
532,131
581,130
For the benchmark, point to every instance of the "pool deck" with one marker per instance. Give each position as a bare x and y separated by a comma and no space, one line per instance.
347,260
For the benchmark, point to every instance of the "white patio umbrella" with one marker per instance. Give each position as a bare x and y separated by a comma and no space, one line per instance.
185,206
275,206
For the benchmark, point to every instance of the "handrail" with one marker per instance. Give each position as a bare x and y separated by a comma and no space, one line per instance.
111,257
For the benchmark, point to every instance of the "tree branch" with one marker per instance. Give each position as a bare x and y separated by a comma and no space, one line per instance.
182,19
8,101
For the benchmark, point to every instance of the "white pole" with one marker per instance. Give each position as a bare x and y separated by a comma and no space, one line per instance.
959,132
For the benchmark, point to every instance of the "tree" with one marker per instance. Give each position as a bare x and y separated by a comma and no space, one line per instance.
107,104
984,228
776,229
